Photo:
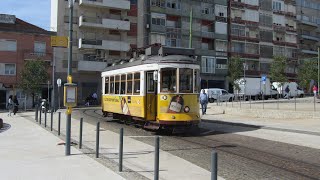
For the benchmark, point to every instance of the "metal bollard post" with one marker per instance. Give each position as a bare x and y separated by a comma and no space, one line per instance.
59,123
314,103
214,165
36,116
250,101
295,103
232,102
156,158
51,122
240,101
40,117
97,139
278,101
262,101
45,119
80,135
121,150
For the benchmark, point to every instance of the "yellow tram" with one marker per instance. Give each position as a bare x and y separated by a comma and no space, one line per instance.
156,90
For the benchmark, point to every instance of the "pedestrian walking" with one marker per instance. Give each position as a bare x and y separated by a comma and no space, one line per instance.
10,105
15,105
315,90
203,101
287,90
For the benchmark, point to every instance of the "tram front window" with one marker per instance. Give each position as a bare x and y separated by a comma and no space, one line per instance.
168,80
186,82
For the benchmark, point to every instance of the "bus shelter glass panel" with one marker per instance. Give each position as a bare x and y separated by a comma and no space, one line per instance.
168,82
185,80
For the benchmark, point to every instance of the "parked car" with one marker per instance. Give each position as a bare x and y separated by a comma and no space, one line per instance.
222,95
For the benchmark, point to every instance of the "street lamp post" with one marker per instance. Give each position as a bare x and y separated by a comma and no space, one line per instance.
318,68
244,78
69,79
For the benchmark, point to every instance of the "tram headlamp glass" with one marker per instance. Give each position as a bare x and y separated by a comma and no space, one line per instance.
173,117
186,109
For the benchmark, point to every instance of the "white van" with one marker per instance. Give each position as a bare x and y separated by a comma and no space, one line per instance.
294,90
222,95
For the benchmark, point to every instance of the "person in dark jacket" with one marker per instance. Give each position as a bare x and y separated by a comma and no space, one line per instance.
15,105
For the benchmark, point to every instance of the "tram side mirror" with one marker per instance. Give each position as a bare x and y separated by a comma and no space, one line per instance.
155,75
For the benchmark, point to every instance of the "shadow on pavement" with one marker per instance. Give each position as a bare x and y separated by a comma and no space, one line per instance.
6,126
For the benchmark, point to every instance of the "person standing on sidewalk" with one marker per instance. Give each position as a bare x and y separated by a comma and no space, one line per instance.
15,105
10,105
203,101
315,90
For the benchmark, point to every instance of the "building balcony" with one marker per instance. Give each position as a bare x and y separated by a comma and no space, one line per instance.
253,7
309,37
158,28
96,66
104,23
309,51
244,38
37,56
237,4
308,23
221,2
209,35
279,12
205,52
290,29
238,20
291,14
279,28
245,55
104,44
118,4
280,43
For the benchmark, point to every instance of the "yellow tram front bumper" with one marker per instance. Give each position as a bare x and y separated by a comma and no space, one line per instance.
172,118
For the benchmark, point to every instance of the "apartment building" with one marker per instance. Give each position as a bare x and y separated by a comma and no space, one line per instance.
20,41
260,30
168,22
104,32
308,16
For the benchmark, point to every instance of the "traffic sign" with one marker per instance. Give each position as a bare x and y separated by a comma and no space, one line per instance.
264,79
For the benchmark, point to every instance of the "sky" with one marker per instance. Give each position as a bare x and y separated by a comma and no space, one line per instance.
36,12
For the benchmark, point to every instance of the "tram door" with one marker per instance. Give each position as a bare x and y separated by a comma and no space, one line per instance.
151,96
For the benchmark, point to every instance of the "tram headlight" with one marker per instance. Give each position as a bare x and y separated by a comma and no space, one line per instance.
186,109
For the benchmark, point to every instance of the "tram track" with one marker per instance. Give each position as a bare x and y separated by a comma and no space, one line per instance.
237,161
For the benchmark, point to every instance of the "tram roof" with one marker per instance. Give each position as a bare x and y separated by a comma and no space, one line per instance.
152,57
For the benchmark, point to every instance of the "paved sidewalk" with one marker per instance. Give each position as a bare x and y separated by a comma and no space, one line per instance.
29,152
138,156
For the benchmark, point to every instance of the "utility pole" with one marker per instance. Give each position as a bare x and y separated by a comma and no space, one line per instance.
318,68
190,29
69,79
53,106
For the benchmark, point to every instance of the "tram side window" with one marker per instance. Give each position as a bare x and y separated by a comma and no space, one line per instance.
106,86
112,85
123,84
186,80
136,83
117,84
129,83
196,81
168,80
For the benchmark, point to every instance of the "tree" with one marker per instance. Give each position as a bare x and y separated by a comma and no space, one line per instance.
235,68
307,71
33,76
278,70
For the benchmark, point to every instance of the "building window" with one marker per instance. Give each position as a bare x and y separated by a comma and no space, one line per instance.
8,45
276,6
159,3
220,10
207,64
238,47
9,69
221,46
173,4
40,48
237,30
205,11
221,63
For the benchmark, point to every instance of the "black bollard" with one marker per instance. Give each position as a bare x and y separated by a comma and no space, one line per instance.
214,165
51,122
45,118
40,117
121,150
36,116
59,123
97,140
156,158
80,135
